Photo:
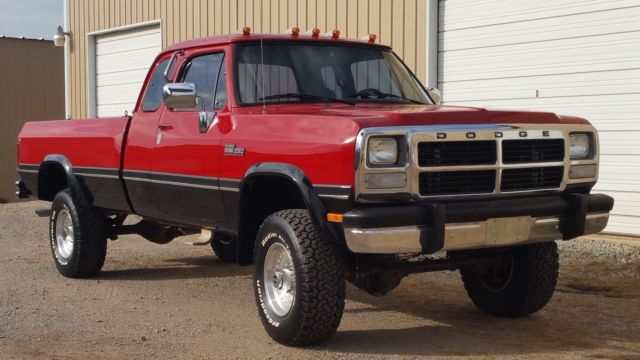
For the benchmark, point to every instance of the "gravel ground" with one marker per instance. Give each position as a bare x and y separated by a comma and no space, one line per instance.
589,247
176,301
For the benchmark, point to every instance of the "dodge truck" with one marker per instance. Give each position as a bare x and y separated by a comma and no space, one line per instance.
319,160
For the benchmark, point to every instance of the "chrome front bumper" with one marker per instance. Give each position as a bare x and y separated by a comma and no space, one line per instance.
493,232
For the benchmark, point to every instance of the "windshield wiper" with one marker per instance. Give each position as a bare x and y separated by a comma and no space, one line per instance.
306,97
367,93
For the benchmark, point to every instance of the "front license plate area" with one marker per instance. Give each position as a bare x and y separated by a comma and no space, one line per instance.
510,230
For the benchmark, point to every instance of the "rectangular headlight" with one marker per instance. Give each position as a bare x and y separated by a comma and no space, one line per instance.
579,146
382,151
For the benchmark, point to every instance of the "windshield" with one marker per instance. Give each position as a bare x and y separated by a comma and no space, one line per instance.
320,72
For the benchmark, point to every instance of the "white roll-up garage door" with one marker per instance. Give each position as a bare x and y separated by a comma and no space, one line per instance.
571,57
122,61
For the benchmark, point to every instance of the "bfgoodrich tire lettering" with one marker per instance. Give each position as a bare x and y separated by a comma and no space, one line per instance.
319,289
86,246
527,288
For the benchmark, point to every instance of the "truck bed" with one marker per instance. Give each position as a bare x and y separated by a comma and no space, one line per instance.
92,148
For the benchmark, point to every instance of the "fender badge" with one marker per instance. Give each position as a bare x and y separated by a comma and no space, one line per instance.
232,150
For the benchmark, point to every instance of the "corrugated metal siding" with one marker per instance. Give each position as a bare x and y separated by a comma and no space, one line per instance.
399,23
570,57
32,88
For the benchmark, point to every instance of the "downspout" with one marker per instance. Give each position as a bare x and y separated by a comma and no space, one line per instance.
432,43
67,89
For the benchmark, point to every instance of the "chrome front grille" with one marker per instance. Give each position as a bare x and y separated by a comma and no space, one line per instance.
539,150
457,182
456,153
445,161
531,178
489,166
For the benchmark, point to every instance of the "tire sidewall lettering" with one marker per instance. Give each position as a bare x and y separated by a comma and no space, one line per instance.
55,211
268,240
52,234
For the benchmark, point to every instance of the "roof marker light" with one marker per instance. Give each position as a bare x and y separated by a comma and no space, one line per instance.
335,34
293,31
371,38
315,32
246,31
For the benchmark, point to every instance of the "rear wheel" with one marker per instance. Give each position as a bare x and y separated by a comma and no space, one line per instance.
520,282
299,282
225,247
77,235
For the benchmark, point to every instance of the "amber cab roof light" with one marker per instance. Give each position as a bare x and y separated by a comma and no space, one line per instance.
294,31
246,31
315,32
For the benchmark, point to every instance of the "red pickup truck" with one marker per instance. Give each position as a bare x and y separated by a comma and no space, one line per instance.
319,160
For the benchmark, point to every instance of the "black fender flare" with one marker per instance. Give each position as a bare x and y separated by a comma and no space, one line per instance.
305,188
78,191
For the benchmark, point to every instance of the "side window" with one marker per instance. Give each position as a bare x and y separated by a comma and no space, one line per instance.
203,71
153,97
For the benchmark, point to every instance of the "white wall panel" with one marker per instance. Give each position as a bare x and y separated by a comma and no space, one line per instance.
572,57
122,61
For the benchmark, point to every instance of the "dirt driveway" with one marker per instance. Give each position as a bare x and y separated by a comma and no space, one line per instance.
180,302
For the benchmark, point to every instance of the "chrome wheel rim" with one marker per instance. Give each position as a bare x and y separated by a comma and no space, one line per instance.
279,279
64,236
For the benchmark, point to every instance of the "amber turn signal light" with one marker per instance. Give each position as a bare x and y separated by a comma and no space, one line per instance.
333,217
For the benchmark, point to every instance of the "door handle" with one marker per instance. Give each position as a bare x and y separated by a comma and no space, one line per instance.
165,127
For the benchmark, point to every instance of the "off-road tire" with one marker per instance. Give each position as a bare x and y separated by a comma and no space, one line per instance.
530,286
319,280
225,247
89,234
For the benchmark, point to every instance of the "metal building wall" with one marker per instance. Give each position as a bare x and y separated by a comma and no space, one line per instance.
399,23
32,88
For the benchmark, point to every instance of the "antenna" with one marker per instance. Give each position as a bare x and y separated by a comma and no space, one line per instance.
264,100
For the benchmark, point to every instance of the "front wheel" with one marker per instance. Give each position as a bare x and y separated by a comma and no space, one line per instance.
520,282
299,282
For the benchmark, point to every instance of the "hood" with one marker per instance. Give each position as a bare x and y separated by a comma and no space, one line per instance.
375,115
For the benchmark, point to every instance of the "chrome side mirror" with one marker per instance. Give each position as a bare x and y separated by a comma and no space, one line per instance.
179,95
435,95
